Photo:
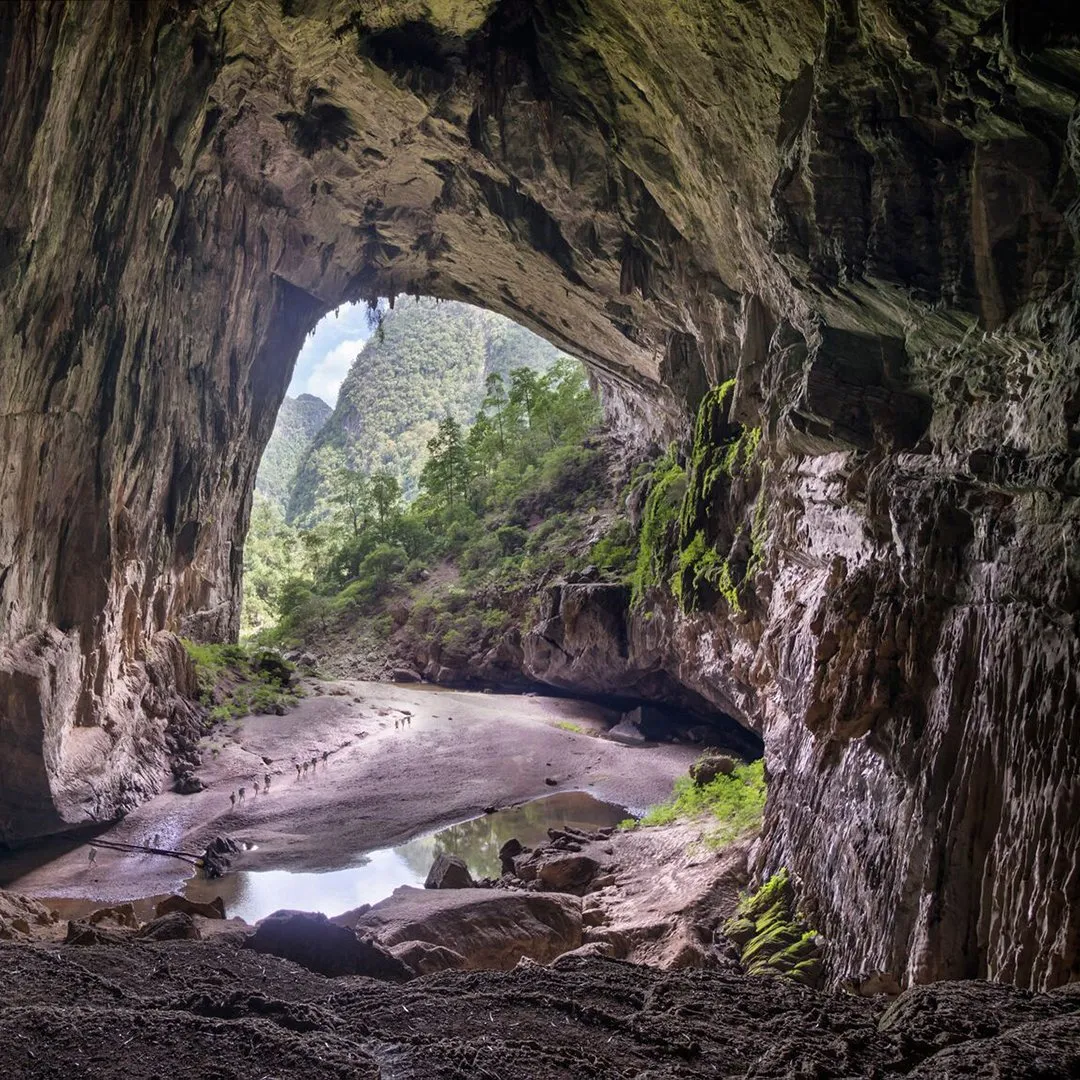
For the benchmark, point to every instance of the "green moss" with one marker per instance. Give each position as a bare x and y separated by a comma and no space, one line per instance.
569,725
736,802
773,939
721,450
667,488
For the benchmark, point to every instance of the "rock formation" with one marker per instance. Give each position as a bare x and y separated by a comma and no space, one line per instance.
193,1008
864,212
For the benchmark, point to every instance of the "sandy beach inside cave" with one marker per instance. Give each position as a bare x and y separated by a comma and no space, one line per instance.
458,753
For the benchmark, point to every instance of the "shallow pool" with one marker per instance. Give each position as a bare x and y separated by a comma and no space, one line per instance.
252,895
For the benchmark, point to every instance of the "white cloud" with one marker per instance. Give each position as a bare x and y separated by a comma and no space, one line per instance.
329,350
326,376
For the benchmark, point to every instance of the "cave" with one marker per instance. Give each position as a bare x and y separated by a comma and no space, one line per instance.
863,213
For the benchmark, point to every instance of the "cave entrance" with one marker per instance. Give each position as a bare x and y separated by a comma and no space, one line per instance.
433,465
286,165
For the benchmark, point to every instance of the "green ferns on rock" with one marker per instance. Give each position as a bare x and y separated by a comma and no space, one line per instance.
772,936
678,543
667,490
235,681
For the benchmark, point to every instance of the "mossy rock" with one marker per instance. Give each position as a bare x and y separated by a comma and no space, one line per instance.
771,936
740,930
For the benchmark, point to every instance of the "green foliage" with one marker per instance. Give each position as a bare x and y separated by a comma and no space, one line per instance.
235,681
429,360
272,556
299,420
667,486
500,501
677,544
736,801
569,725
448,472
771,935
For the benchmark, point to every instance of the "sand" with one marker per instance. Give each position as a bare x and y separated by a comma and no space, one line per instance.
451,755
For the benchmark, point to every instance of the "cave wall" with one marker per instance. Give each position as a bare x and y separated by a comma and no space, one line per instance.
864,212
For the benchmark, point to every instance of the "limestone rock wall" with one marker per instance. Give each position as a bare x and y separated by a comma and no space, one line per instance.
863,211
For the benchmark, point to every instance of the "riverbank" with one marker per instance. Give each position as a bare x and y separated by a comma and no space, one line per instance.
400,760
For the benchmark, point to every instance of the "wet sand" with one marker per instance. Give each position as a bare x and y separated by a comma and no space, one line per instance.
379,785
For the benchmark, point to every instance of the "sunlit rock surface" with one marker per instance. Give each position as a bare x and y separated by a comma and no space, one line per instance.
867,216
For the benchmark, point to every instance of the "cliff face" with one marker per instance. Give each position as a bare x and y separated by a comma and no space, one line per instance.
866,217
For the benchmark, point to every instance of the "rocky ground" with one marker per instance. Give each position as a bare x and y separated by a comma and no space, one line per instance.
208,1009
600,954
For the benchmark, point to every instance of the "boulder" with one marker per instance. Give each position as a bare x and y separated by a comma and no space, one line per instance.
172,926
187,783
449,872
490,928
219,855
627,732
565,873
349,918
706,769
311,940
426,959
525,866
84,932
119,915
405,675
617,939
590,951
508,853
19,915
273,666
214,909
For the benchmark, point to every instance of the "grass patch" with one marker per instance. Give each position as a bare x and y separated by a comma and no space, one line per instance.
735,802
569,725
235,681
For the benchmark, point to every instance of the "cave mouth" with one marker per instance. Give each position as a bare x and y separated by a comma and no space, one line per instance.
434,470
402,420
878,266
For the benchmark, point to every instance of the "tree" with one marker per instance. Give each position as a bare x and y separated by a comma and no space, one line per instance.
495,401
351,493
446,473
386,495
524,390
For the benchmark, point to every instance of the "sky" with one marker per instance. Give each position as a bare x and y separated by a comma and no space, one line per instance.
328,353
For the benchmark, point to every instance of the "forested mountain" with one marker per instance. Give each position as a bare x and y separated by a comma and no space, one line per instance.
429,360
519,495
298,422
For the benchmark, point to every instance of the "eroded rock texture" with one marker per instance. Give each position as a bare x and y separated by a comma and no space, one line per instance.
193,1008
864,210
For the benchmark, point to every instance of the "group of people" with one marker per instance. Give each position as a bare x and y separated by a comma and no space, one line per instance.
241,794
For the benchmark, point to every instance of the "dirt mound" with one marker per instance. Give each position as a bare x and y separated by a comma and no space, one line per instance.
202,1009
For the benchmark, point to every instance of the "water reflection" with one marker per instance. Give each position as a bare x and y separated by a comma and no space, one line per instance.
254,895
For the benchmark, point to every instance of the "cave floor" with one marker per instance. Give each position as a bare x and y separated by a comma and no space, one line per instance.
209,1010
384,780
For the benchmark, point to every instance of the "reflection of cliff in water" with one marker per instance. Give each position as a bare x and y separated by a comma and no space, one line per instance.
477,842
